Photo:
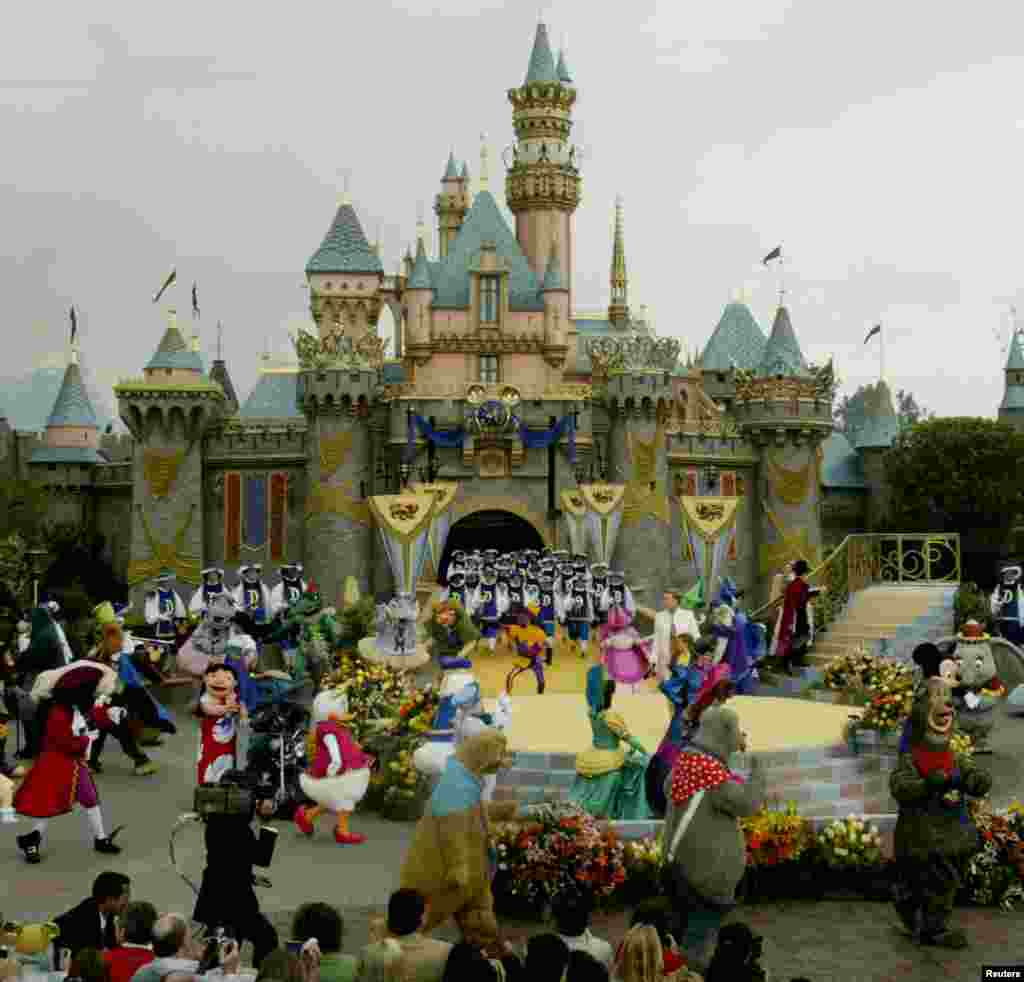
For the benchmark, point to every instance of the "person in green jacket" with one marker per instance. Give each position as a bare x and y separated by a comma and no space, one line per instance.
323,924
609,780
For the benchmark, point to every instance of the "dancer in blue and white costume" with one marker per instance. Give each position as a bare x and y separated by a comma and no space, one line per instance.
1008,605
213,584
164,608
490,607
252,595
283,597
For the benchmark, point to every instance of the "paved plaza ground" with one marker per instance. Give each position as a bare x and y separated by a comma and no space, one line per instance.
826,941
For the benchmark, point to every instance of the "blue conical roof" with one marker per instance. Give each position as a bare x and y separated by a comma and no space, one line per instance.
782,354
562,69
465,171
420,278
542,61
1015,363
173,352
737,341
72,407
345,248
451,171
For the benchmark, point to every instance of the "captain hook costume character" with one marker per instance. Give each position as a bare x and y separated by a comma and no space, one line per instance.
164,608
73,705
213,584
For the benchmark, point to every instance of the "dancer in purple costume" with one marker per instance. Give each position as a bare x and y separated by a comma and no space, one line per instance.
730,625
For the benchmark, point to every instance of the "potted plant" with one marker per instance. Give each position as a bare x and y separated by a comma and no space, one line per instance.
850,850
776,842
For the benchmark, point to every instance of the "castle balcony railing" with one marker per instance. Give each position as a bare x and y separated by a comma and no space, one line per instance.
868,558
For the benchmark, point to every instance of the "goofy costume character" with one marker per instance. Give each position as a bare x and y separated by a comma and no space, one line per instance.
164,609
213,584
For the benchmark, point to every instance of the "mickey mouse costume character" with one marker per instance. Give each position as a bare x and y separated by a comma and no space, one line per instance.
74,704
213,584
164,609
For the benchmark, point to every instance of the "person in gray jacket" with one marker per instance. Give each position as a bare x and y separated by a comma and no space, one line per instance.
703,844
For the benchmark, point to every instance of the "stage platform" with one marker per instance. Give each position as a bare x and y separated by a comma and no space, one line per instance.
799,742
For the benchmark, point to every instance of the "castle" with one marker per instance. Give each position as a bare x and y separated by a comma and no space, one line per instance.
497,386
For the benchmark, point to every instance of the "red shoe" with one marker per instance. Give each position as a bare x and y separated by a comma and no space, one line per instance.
348,838
302,822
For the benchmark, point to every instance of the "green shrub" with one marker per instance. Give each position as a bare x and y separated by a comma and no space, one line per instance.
358,621
970,603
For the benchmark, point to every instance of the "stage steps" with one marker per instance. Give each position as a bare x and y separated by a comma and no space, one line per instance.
824,782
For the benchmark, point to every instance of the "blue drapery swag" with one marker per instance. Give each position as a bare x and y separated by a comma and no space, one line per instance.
532,439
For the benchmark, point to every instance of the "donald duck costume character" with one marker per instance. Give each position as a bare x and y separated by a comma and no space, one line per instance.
213,584
252,595
164,608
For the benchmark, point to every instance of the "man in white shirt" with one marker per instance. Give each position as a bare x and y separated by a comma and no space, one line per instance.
675,629
571,913
178,954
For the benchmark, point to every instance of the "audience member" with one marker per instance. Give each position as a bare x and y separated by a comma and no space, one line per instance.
422,959
467,963
281,966
670,924
93,923
571,913
176,953
737,956
88,966
324,923
135,941
584,967
546,958
641,958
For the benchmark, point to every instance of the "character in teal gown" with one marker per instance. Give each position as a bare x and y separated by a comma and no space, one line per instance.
610,775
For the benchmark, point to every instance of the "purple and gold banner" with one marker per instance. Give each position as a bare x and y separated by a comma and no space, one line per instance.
232,517
278,508
255,531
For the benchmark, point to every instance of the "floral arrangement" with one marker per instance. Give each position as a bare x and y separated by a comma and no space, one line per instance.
891,699
375,693
961,744
416,713
399,781
856,669
850,843
775,837
995,875
561,848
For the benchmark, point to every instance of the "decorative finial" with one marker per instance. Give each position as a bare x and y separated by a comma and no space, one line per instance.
484,162
345,198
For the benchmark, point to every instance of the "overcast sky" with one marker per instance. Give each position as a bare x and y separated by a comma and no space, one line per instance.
879,142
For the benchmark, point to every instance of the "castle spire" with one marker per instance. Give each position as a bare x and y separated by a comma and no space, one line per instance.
618,309
542,62
484,162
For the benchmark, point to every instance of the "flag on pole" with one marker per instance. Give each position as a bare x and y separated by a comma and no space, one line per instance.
776,253
171,277
74,324
195,303
877,329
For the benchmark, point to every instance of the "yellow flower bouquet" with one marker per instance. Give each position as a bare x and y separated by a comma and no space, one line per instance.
775,837
850,842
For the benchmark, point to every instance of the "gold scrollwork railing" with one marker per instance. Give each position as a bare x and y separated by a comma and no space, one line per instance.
867,558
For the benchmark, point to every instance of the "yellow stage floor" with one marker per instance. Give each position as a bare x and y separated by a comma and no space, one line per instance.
567,675
557,722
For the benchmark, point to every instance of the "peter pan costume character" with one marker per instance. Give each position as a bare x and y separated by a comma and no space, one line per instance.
609,780
74,707
339,771
220,714
452,636
1007,604
252,595
163,608
212,584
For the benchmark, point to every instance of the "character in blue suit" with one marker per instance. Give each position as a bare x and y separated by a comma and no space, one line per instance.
164,609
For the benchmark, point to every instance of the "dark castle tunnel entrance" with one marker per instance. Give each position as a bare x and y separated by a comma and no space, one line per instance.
499,530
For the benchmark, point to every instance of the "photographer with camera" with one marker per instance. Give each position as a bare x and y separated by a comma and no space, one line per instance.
177,954
227,898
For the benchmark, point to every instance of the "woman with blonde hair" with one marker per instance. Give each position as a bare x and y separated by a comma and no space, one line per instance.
641,958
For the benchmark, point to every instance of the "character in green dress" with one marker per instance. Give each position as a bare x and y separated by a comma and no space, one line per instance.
610,775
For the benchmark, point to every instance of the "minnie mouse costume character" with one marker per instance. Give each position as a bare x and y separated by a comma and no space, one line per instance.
73,706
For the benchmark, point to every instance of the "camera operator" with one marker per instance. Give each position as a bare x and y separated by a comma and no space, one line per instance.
227,898
178,954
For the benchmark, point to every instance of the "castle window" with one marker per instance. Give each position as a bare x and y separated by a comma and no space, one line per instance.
489,369
488,299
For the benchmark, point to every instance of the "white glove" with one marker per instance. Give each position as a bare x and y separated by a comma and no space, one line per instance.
972,700
117,715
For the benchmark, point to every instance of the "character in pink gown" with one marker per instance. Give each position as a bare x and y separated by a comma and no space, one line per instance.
627,656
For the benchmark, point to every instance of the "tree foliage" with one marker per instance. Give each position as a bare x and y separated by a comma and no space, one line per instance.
850,411
24,506
956,474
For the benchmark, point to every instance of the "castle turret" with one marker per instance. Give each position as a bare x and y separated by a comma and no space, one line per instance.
618,308
1011,409
786,410
168,411
543,184
345,276
418,296
556,306
451,204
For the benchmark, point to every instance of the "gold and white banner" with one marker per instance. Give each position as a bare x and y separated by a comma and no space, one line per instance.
574,511
404,522
443,493
708,526
604,517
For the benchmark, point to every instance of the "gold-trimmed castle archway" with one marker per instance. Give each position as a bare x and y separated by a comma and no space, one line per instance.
515,527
